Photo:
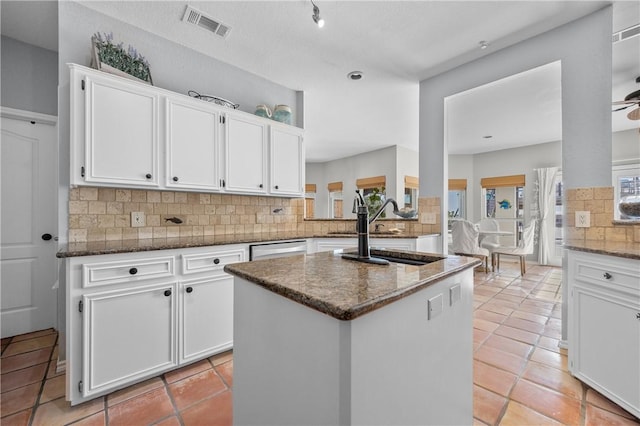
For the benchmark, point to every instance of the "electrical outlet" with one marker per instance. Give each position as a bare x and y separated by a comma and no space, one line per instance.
399,225
428,218
583,219
137,219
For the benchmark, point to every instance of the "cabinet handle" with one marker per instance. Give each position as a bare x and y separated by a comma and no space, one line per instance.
167,293
607,275
175,178
224,183
216,260
148,176
189,289
133,271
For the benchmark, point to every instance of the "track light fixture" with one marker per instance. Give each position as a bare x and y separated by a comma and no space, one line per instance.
316,16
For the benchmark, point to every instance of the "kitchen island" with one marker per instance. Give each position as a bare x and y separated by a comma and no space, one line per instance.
323,340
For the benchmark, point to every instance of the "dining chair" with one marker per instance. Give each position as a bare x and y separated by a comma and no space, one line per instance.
490,242
465,241
524,248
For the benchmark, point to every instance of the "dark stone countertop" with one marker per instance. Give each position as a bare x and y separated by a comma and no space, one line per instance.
612,248
346,289
131,246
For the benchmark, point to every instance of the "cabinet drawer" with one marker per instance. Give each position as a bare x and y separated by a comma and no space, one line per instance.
208,262
619,274
97,274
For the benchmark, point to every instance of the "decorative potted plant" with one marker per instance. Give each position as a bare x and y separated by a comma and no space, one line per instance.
112,58
374,201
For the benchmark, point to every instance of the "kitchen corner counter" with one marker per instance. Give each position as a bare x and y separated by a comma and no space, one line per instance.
345,289
624,249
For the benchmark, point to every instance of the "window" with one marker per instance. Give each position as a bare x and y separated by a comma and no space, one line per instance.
309,200
626,182
411,192
336,204
457,199
504,200
373,191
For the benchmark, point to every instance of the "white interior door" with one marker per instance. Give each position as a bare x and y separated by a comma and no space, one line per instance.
28,212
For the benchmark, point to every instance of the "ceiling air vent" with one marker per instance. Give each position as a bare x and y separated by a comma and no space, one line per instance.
627,33
195,17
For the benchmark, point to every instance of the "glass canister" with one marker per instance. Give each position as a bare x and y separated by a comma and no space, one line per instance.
263,111
282,113
629,207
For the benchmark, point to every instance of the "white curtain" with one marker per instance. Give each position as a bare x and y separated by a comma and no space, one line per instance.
546,203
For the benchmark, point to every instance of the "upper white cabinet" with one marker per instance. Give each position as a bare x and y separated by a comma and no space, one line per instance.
287,161
131,135
121,133
246,154
193,151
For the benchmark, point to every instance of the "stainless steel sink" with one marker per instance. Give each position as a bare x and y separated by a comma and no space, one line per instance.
370,233
384,256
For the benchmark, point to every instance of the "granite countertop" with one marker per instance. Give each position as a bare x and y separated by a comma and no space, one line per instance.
130,246
345,289
612,248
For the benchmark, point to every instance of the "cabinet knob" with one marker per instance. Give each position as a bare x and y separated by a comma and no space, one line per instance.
638,315
216,260
276,186
167,293
46,237
260,186
607,275
189,289
148,176
175,178
133,271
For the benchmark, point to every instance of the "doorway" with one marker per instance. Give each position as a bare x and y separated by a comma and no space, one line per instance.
29,211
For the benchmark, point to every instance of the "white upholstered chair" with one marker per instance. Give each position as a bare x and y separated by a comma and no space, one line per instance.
524,248
490,242
465,241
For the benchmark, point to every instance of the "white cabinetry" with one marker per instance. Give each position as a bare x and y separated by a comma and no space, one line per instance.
132,135
193,151
120,132
287,161
132,316
128,335
604,325
246,154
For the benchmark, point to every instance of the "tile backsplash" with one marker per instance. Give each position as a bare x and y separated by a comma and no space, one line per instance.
599,202
104,214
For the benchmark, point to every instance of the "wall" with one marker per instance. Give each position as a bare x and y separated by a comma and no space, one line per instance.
625,149
29,77
584,47
381,162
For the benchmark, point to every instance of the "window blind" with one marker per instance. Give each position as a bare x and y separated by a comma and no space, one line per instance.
502,181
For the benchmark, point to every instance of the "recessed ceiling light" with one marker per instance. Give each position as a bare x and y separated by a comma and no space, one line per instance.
354,75
483,44
487,137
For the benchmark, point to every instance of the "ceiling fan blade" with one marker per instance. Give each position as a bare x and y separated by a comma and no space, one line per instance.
620,109
634,115
625,102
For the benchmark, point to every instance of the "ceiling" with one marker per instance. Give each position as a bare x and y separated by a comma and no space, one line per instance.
395,43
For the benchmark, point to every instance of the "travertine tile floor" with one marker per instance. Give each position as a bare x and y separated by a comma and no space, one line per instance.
520,375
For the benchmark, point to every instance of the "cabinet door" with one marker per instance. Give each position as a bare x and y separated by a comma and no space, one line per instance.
206,317
192,146
127,336
605,345
287,162
245,149
121,133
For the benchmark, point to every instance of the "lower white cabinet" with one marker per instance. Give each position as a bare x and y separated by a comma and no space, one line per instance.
604,325
152,312
127,335
203,329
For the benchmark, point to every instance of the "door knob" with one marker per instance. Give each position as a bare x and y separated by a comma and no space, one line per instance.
47,237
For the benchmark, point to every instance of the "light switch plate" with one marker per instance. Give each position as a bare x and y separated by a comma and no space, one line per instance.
434,306
454,294
583,219
137,219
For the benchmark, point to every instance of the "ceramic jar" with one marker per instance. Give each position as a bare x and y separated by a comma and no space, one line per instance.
282,113
630,206
263,111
